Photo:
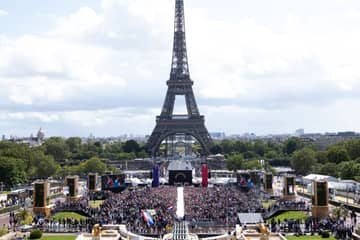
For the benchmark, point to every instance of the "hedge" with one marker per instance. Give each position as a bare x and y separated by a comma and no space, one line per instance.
9,209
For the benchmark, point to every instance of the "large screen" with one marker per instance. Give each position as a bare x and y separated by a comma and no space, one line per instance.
113,181
290,186
92,182
322,194
39,195
72,188
269,181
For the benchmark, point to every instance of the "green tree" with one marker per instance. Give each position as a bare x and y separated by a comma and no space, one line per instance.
131,146
227,146
330,169
12,171
349,169
126,156
142,154
241,147
252,164
321,157
216,149
353,148
57,147
235,162
74,144
337,154
271,155
46,166
292,144
259,148
250,155
93,165
303,160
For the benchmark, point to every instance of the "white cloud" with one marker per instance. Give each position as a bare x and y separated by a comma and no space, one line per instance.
279,60
84,23
3,13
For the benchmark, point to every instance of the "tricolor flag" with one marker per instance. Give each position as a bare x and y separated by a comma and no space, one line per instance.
170,207
147,217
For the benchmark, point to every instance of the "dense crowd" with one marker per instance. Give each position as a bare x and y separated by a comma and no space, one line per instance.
219,204
126,207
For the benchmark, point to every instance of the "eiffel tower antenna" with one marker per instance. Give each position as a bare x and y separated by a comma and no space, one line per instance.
168,124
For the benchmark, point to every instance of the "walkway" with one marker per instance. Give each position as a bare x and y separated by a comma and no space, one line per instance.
180,209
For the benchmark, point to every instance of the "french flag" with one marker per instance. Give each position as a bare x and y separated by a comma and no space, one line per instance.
170,207
147,217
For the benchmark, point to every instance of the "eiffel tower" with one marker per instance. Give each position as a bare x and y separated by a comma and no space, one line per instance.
168,124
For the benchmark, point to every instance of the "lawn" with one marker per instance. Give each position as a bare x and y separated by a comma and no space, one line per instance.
59,237
291,215
267,204
62,215
315,237
95,204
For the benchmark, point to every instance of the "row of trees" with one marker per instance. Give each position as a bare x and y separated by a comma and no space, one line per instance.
258,148
20,163
339,160
60,157
74,150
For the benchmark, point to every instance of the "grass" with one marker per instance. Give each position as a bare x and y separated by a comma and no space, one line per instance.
268,203
315,237
297,215
95,204
5,192
62,215
59,237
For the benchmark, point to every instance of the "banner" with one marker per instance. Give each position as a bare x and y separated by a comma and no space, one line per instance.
156,176
204,175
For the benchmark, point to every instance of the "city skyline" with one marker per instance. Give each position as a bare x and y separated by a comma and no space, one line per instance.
101,67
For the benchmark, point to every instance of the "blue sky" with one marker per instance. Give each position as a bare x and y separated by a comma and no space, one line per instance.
81,67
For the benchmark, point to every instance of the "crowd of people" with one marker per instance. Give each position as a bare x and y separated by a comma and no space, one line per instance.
219,204
8,203
128,206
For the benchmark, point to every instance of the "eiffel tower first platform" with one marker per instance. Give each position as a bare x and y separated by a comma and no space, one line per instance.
192,123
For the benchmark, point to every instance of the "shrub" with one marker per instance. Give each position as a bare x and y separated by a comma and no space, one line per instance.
4,231
35,234
27,221
325,234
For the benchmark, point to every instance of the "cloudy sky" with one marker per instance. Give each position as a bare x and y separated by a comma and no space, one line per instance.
100,66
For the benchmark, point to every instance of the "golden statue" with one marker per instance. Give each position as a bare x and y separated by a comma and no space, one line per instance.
264,232
96,231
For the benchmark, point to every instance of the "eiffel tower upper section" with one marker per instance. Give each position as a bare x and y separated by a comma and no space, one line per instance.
179,64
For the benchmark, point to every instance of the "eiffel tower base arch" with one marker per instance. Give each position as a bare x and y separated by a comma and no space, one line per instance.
165,128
